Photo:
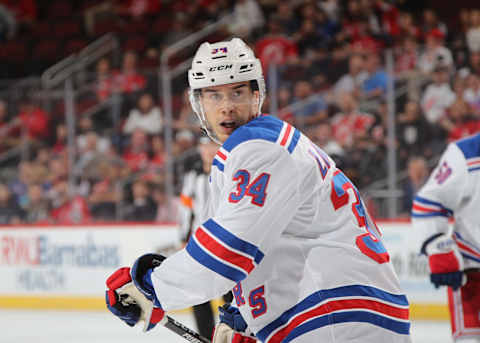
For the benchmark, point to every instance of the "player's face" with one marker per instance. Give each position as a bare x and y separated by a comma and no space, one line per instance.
228,107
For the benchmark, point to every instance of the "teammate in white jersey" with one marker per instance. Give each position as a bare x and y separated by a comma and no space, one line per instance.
453,190
286,231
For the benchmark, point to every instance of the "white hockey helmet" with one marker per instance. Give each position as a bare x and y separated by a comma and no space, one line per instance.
219,64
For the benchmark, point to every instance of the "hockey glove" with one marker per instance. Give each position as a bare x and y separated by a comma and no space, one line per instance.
135,301
231,328
445,261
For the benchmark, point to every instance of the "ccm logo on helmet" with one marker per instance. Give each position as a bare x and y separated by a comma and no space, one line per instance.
221,67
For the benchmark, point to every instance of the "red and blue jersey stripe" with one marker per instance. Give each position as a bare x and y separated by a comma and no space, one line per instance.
220,159
473,164
427,208
467,249
221,251
355,303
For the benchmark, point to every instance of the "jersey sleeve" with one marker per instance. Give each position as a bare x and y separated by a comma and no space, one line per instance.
258,199
442,194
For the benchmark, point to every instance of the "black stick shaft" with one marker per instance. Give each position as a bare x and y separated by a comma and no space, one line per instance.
184,331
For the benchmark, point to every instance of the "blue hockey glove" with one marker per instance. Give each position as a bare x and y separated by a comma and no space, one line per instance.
231,316
445,261
131,296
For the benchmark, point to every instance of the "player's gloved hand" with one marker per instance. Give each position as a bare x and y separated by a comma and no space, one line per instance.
131,296
231,328
445,261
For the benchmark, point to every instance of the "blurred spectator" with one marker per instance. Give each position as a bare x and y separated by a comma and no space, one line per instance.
38,207
247,18
159,155
136,154
352,82
34,120
90,156
331,8
8,24
435,54
285,15
474,63
431,22
61,138
284,98
104,79
57,170
275,47
459,121
68,209
129,80
142,208
406,59
417,175
321,135
85,127
19,185
104,196
471,93
407,27
184,140
146,116
438,96
413,133
350,125
167,209
314,111
10,211
187,118
376,83
307,38
473,33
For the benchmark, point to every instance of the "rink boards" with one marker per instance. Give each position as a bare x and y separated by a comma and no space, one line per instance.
65,267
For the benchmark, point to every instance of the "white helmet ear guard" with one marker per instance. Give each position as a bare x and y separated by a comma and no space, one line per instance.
223,63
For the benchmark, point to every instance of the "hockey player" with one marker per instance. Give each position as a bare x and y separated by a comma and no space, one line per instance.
453,190
287,231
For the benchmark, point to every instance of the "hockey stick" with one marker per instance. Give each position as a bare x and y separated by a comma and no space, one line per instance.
184,331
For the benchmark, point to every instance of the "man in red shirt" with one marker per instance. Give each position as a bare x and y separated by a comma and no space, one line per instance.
275,47
34,120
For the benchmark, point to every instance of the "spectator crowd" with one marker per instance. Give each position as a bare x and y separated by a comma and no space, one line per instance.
330,59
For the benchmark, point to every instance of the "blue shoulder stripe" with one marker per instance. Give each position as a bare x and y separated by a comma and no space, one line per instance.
264,127
470,146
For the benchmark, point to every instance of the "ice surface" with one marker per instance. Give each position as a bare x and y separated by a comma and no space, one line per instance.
22,326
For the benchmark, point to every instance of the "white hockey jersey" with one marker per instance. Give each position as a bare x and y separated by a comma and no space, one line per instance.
453,189
289,234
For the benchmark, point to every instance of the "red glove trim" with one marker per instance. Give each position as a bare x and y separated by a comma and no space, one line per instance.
112,298
157,315
444,263
119,278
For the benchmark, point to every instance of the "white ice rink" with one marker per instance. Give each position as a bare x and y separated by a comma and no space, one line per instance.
21,326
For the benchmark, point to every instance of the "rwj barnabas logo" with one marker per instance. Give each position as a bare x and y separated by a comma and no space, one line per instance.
40,250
